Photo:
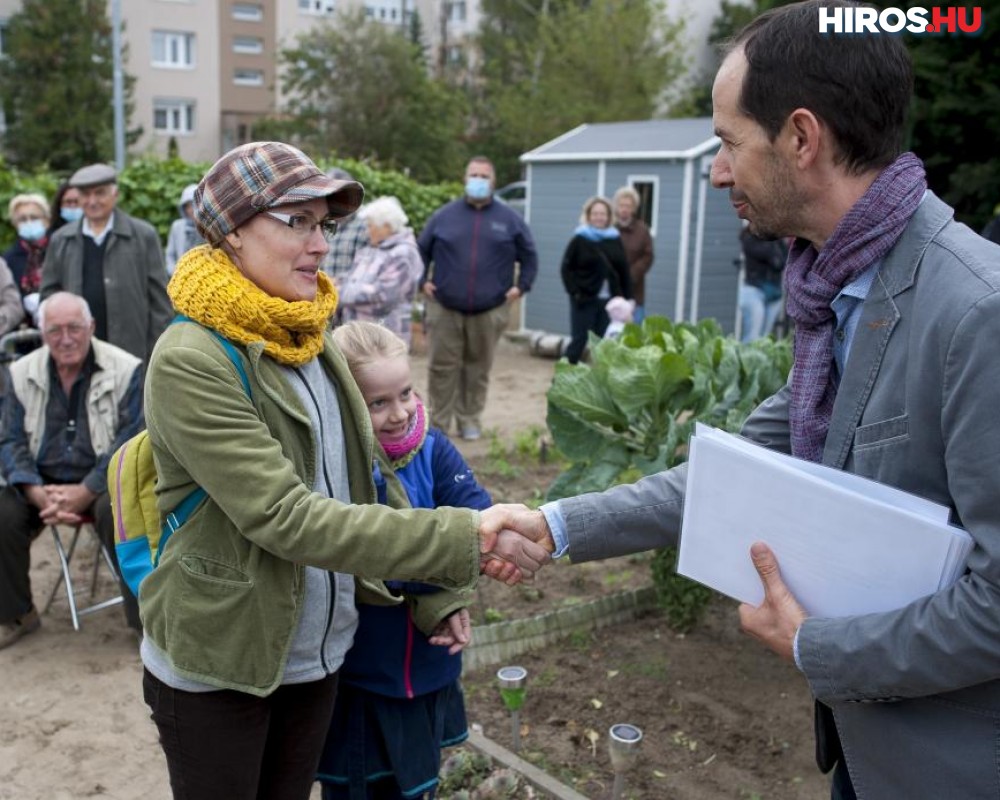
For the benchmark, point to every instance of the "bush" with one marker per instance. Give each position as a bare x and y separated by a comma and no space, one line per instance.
150,188
631,412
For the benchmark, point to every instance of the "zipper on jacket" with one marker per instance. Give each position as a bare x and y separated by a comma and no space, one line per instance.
331,586
408,656
472,260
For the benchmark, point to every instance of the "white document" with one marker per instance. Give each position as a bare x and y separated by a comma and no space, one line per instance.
845,545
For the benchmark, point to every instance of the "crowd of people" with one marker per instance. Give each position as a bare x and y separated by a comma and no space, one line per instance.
309,626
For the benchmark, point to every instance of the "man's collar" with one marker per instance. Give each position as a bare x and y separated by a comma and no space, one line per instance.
98,238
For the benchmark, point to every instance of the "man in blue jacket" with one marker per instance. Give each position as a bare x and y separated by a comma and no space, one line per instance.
470,248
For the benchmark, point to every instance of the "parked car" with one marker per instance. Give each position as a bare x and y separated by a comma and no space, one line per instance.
514,195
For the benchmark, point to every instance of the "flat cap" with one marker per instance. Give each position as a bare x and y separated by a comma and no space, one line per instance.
261,175
94,175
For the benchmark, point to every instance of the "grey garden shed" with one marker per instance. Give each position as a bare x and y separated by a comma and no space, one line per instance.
695,230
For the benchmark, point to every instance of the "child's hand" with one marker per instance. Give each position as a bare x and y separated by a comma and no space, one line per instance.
455,632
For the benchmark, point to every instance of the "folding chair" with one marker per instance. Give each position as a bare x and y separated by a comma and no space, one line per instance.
66,559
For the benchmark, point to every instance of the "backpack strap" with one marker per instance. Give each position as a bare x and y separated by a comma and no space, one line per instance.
176,518
227,345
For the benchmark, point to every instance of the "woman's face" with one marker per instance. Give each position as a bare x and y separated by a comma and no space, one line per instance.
599,216
282,261
70,198
378,233
625,208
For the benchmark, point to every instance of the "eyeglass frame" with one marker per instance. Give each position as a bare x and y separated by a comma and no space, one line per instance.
323,224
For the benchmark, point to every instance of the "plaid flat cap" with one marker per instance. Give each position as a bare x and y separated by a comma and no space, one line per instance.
94,175
261,175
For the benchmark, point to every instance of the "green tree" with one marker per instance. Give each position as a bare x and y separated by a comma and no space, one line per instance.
550,65
56,84
361,90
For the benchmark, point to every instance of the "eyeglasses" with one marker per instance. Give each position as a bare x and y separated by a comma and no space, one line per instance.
74,329
305,224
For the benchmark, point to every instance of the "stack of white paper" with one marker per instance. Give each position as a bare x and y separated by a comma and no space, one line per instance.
845,544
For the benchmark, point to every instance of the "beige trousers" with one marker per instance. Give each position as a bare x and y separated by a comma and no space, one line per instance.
461,353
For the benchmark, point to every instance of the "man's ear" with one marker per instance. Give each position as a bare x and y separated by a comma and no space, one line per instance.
804,132
233,240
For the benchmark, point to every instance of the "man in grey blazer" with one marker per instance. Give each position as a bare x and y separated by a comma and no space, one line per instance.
896,378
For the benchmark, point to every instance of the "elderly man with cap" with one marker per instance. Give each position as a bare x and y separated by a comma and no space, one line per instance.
114,261
251,609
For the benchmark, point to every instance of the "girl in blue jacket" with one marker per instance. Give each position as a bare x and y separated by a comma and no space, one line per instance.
399,701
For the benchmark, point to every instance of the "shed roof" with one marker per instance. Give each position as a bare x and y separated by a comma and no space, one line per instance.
683,139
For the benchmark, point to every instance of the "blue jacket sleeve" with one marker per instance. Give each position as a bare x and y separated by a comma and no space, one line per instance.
455,486
527,255
19,466
454,483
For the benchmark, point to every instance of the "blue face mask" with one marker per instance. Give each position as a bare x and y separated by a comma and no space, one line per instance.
477,188
71,214
32,230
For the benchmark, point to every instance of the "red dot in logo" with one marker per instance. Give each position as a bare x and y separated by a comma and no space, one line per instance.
930,29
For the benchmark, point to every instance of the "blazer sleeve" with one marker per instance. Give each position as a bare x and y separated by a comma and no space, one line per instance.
567,267
619,263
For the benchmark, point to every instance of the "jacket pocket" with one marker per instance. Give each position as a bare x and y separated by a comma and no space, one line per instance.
879,434
215,572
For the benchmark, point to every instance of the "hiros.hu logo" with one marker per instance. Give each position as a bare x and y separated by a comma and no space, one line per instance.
939,19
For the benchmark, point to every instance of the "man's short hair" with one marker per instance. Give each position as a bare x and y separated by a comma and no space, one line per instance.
859,86
81,302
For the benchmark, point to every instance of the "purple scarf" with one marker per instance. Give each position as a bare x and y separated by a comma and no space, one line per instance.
813,278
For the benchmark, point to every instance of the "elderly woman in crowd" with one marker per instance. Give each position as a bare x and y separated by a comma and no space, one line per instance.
249,613
383,280
638,244
594,269
29,214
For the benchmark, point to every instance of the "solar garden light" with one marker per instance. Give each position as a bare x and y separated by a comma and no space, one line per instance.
512,690
623,747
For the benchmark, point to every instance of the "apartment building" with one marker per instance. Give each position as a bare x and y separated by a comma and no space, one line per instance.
206,70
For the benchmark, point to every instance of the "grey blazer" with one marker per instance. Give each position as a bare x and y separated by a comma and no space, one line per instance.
915,692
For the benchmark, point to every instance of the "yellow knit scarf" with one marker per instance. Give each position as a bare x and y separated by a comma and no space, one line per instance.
209,288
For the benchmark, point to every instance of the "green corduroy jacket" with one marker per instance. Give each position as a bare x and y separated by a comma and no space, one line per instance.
226,597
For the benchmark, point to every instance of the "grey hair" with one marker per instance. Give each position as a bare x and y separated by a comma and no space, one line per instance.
88,317
385,211
627,191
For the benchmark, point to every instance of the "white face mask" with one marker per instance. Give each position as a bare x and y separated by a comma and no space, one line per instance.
32,230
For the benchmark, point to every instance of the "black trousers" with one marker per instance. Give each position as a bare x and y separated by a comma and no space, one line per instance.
229,745
21,524
585,316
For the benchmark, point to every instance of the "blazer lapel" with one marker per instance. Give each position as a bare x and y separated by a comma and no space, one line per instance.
879,317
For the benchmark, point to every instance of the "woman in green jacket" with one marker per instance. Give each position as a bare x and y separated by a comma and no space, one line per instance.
249,613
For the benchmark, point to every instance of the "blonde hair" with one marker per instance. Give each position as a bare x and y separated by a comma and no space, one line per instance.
593,201
363,343
24,199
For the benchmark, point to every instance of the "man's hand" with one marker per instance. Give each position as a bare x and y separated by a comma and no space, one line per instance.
513,293
36,495
71,497
455,632
429,289
523,547
775,621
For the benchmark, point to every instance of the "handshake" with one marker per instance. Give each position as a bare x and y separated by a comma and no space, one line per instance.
514,542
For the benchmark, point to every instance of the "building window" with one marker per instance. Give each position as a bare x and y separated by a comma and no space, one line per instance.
173,116
251,45
454,54
248,12
248,77
173,50
456,11
318,7
647,187
369,12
